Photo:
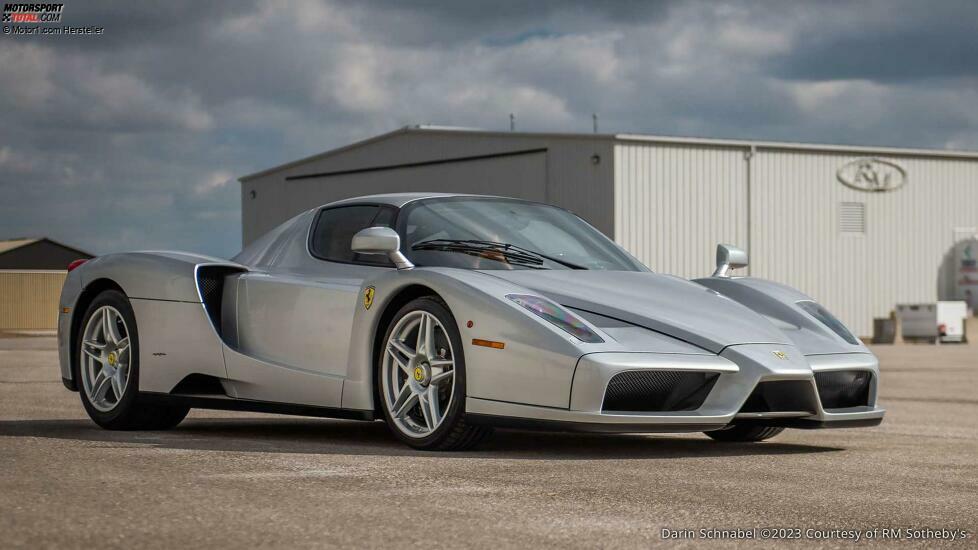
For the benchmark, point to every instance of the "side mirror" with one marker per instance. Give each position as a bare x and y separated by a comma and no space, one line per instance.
729,257
381,240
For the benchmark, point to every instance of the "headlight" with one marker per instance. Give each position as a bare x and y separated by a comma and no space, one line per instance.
557,316
827,319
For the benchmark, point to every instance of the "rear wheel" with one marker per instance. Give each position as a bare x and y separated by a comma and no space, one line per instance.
421,379
108,369
745,433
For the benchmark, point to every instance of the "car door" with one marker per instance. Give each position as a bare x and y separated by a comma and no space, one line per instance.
295,317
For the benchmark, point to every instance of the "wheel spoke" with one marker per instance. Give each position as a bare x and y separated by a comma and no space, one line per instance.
441,362
444,377
426,335
406,400
422,326
122,345
434,406
91,354
426,412
403,366
396,346
100,385
402,348
429,408
108,327
118,384
429,336
93,344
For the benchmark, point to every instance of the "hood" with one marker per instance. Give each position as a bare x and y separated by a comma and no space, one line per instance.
663,303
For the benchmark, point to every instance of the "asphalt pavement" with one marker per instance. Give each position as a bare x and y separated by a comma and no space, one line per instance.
234,480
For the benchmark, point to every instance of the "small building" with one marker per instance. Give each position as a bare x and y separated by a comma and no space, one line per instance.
858,228
32,272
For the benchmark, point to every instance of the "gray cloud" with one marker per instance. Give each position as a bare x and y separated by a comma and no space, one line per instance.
885,41
132,140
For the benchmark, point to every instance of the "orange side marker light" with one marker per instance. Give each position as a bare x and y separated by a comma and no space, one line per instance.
488,343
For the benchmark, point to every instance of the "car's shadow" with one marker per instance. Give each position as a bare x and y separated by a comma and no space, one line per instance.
317,436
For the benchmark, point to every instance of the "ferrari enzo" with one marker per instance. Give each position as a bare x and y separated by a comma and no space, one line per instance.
447,315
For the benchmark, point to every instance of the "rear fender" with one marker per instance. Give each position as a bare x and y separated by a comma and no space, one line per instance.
177,317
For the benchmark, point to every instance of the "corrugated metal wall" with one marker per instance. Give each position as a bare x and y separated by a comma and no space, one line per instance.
29,299
673,204
909,237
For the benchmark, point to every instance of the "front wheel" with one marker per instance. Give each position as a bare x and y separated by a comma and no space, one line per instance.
421,379
108,369
744,433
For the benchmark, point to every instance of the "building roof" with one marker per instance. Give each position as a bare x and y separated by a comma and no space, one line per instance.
38,253
11,244
647,138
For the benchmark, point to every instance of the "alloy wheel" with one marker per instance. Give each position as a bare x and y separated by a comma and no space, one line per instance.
418,374
105,358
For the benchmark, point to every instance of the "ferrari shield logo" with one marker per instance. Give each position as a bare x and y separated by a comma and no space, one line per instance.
780,354
368,297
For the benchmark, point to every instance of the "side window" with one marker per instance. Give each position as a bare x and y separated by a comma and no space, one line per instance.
335,228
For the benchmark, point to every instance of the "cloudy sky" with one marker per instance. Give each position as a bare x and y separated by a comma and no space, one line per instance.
135,139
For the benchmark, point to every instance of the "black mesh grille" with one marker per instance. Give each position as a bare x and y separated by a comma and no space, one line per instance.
781,396
658,390
210,285
210,282
843,388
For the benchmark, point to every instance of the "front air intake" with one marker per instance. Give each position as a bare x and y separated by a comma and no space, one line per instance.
843,388
658,391
781,396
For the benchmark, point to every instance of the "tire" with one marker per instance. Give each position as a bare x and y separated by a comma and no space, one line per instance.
406,385
744,433
115,331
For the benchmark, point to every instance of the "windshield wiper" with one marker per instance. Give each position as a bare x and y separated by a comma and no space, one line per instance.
510,252
476,248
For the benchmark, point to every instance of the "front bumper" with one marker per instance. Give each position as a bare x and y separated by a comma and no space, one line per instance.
739,370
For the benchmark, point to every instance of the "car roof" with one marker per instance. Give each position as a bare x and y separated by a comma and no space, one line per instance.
397,199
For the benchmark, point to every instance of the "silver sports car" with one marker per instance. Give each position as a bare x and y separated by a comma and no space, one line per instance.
446,315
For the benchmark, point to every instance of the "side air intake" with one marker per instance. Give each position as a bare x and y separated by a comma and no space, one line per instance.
658,391
210,285
843,388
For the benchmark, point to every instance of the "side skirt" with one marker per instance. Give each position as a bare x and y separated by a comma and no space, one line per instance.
232,404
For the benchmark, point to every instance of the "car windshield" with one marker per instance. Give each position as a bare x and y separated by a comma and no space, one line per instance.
471,232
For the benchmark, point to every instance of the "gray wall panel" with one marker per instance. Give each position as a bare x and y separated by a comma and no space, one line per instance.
797,238
565,176
674,204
